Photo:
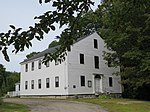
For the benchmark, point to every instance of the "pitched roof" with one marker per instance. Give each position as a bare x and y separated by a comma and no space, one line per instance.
50,50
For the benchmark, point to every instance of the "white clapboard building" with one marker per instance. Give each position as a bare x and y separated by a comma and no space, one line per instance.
84,72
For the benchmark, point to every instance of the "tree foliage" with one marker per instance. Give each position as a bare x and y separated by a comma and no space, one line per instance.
64,14
31,54
53,44
126,26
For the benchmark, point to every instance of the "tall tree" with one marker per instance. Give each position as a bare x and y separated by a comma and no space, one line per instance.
2,77
126,30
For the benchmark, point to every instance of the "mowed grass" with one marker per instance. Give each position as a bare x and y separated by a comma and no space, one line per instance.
120,105
10,107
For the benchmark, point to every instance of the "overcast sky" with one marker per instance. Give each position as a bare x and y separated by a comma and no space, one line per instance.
21,13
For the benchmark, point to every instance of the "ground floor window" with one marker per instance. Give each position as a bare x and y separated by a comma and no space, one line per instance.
26,84
47,82
82,78
110,82
32,84
56,81
39,83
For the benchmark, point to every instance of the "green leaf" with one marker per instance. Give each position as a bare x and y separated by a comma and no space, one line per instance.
52,27
13,27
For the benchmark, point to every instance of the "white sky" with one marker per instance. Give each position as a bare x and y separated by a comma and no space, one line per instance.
21,13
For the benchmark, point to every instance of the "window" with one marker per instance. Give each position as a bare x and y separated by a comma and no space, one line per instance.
95,44
89,83
56,81
47,83
26,68
96,61
47,64
82,80
56,62
32,84
26,84
81,58
39,83
40,63
32,66
110,82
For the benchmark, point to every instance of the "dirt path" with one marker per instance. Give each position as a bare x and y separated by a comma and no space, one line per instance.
56,105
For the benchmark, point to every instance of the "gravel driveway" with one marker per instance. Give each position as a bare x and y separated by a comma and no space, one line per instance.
56,105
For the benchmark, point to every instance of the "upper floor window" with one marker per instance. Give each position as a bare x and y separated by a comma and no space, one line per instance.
47,64
82,79
26,68
96,61
26,84
81,58
110,82
56,81
32,84
47,82
32,66
40,64
95,44
39,83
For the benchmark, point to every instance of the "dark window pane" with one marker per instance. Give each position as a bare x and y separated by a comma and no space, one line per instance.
32,66
110,82
95,44
40,63
82,80
26,84
32,84
81,58
26,68
39,83
47,83
56,81
96,61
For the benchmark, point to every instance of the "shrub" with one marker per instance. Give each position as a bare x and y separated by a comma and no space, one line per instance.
105,97
1,101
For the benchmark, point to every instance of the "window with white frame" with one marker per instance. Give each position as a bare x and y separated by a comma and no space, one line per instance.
26,84
39,64
57,81
39,83
32,84
47,82
26,67
110,82
96,62
81,58
32,66
95,44
47,64
82,79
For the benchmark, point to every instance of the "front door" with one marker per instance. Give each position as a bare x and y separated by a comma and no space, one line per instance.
97,83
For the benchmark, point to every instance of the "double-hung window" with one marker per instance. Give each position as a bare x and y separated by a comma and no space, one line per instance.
56,81
47,82
81,58
32,84
82,79
39,83
96,62
32,66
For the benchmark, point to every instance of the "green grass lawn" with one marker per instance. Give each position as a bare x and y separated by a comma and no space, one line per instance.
9,107
120,105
